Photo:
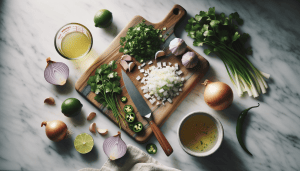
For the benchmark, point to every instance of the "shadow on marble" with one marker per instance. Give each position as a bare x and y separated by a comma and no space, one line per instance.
223,159
79,120
112,29
65,89
92,156
179,28
232,112
63,147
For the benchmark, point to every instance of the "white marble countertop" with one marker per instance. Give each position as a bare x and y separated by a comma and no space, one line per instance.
27,29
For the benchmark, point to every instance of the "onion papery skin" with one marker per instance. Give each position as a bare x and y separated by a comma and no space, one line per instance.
55,130
114,147
217,95
56,73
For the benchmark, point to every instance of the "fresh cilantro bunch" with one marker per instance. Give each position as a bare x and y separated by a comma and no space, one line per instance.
106,85
220,34
141,41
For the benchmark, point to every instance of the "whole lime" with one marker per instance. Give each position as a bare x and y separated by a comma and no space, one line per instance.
103,18
71,107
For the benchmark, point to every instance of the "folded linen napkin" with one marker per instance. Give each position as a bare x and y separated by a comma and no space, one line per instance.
134,160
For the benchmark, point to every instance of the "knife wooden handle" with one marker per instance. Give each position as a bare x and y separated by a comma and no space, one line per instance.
161,138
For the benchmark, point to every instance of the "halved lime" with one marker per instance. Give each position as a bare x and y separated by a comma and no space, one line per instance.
84,143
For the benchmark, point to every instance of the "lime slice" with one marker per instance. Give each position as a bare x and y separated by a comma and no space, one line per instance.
84,143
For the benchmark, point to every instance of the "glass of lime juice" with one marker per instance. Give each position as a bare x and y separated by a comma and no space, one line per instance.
73,41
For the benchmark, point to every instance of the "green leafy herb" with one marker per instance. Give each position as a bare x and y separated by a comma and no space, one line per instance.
220,34
106,85
141,41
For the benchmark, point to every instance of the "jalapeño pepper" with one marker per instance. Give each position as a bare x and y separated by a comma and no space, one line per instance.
130,117
124,99
128,109
151,148
137,127
239,126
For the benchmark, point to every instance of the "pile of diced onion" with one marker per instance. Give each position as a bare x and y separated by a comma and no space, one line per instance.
162,82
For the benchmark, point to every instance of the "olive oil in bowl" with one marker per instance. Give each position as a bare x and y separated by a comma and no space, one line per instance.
200,134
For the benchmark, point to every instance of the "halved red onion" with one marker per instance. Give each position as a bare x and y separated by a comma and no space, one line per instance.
56,73
114,147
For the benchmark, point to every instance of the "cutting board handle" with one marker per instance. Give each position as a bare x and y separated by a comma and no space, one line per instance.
173,17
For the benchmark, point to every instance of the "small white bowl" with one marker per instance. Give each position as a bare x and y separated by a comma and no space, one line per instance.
218,141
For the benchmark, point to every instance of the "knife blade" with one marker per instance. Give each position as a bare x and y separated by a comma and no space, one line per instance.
146,112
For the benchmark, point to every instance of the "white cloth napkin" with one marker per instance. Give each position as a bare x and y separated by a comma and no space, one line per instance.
134,160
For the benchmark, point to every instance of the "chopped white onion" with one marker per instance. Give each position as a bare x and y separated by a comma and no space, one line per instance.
161,82
138,78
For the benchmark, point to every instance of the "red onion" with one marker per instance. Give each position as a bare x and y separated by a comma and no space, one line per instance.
114,147
56,130
56,73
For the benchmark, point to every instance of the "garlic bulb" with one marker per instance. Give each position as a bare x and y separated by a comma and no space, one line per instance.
177,46
189,59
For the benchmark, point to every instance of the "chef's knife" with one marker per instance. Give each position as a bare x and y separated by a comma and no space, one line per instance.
146,112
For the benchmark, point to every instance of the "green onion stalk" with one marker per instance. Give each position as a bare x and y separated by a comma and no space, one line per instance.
221,35
112,104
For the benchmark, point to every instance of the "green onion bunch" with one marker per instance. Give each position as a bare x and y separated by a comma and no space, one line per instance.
220,34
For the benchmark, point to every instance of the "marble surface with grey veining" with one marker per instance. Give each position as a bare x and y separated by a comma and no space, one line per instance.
27,29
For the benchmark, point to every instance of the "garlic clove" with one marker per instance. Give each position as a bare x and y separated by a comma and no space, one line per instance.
92,128
91,116
127,58
50,101
102,131
124,64
160,53
177,46
131,66
189,60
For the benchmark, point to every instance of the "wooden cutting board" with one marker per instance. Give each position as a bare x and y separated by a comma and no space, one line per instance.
160,113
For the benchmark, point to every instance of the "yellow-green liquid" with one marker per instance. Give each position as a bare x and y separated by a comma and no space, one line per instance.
75,44
199,133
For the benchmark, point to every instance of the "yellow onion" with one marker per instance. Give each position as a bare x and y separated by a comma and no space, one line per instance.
56,130
217,95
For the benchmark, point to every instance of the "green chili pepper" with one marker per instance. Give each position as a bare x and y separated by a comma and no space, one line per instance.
128,108
124,99
130,117
239,127
131,126
137,127
151,148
